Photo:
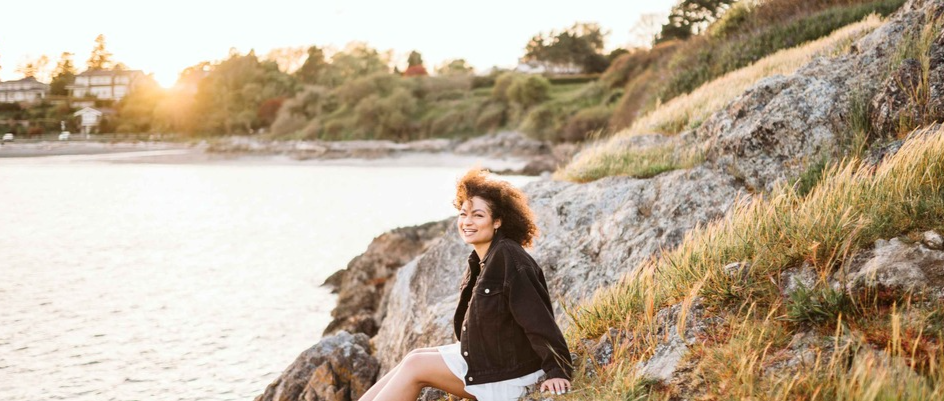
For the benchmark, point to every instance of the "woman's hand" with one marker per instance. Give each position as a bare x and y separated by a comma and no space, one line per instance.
556,386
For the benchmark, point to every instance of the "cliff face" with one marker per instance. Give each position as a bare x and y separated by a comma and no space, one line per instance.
593,234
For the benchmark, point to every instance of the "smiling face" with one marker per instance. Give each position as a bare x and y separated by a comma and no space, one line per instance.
475,223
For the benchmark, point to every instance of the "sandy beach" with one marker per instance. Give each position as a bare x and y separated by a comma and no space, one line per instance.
180,153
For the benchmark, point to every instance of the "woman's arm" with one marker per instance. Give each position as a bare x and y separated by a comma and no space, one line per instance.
531,308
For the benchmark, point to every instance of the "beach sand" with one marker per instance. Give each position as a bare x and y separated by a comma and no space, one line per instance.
179,153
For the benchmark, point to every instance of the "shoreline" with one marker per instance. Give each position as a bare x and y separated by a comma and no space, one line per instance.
178,153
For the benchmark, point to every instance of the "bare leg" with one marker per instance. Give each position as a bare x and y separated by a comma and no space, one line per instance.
420,370
375,389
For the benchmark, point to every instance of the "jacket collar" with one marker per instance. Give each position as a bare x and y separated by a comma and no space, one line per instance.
474,261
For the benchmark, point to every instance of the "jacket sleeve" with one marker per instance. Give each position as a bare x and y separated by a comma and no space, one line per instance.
531,308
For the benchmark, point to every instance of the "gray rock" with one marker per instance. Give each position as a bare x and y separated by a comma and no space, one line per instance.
338,368
796,277
591,234
932,240
895,264
360,285
766,135
738,270
503,144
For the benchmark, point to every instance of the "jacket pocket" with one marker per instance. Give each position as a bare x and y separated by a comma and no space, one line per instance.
490,314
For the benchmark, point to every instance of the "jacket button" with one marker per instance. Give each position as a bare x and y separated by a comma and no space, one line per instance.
466,353
487,291
470,378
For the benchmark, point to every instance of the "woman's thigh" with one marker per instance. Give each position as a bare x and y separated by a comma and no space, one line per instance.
431,370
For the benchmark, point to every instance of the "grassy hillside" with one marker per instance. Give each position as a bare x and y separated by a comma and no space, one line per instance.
690,110
878,344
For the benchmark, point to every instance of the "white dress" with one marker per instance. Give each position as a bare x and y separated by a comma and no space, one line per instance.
505,390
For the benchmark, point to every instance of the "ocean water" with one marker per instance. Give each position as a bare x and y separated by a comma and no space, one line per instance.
182,281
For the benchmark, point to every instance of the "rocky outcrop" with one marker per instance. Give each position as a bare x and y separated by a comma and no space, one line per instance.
338,368
591,234
361,284
535,157
770,132
911,95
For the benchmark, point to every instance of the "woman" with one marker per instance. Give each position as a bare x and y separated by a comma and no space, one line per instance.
504,321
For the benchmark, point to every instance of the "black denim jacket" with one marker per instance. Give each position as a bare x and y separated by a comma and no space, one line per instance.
505,321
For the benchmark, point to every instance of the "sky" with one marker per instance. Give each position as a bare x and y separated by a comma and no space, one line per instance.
164,37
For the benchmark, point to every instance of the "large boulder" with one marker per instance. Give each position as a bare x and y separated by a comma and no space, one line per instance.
361,284
338,368
591,234
770,132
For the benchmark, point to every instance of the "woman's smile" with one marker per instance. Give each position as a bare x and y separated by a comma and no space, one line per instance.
475,223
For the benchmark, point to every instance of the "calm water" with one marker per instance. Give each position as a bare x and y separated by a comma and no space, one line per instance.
182,282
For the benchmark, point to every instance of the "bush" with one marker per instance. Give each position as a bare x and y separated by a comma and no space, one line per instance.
502,83
288,123
491,117
529,91
543,122
380,84
586,121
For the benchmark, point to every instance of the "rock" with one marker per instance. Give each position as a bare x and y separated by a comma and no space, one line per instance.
893,103
895,264
932,240
338,368
503,144
766,135
361,284
591,234
673,346
793,278
738,270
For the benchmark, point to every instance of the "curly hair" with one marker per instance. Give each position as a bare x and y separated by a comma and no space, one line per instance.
506,202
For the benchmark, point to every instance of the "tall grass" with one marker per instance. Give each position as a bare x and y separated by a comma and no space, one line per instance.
690,110
851,206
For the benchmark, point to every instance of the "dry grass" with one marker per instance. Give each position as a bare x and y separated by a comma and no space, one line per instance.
851,207
690,110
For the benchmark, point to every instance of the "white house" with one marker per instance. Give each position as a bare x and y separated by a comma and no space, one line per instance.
26,90
89,118
104,84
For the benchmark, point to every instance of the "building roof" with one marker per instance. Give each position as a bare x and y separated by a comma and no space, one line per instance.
87,110
87,73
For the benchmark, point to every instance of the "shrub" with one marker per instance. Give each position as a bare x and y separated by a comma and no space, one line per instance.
586,121
288,123
490,118
529,91
502,83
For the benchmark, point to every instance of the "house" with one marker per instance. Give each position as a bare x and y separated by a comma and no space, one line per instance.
26,90
104,84
88,118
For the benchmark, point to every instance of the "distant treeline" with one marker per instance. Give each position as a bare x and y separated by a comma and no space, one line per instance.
577,92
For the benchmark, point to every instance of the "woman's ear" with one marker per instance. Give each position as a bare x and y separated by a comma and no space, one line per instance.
497,224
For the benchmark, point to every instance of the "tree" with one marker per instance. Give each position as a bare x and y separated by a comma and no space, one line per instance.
33,68
691,17
414,59
415,65
229,97
289,59
644,32
63,75
100,58
454,67
578,48
355,61
314,66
